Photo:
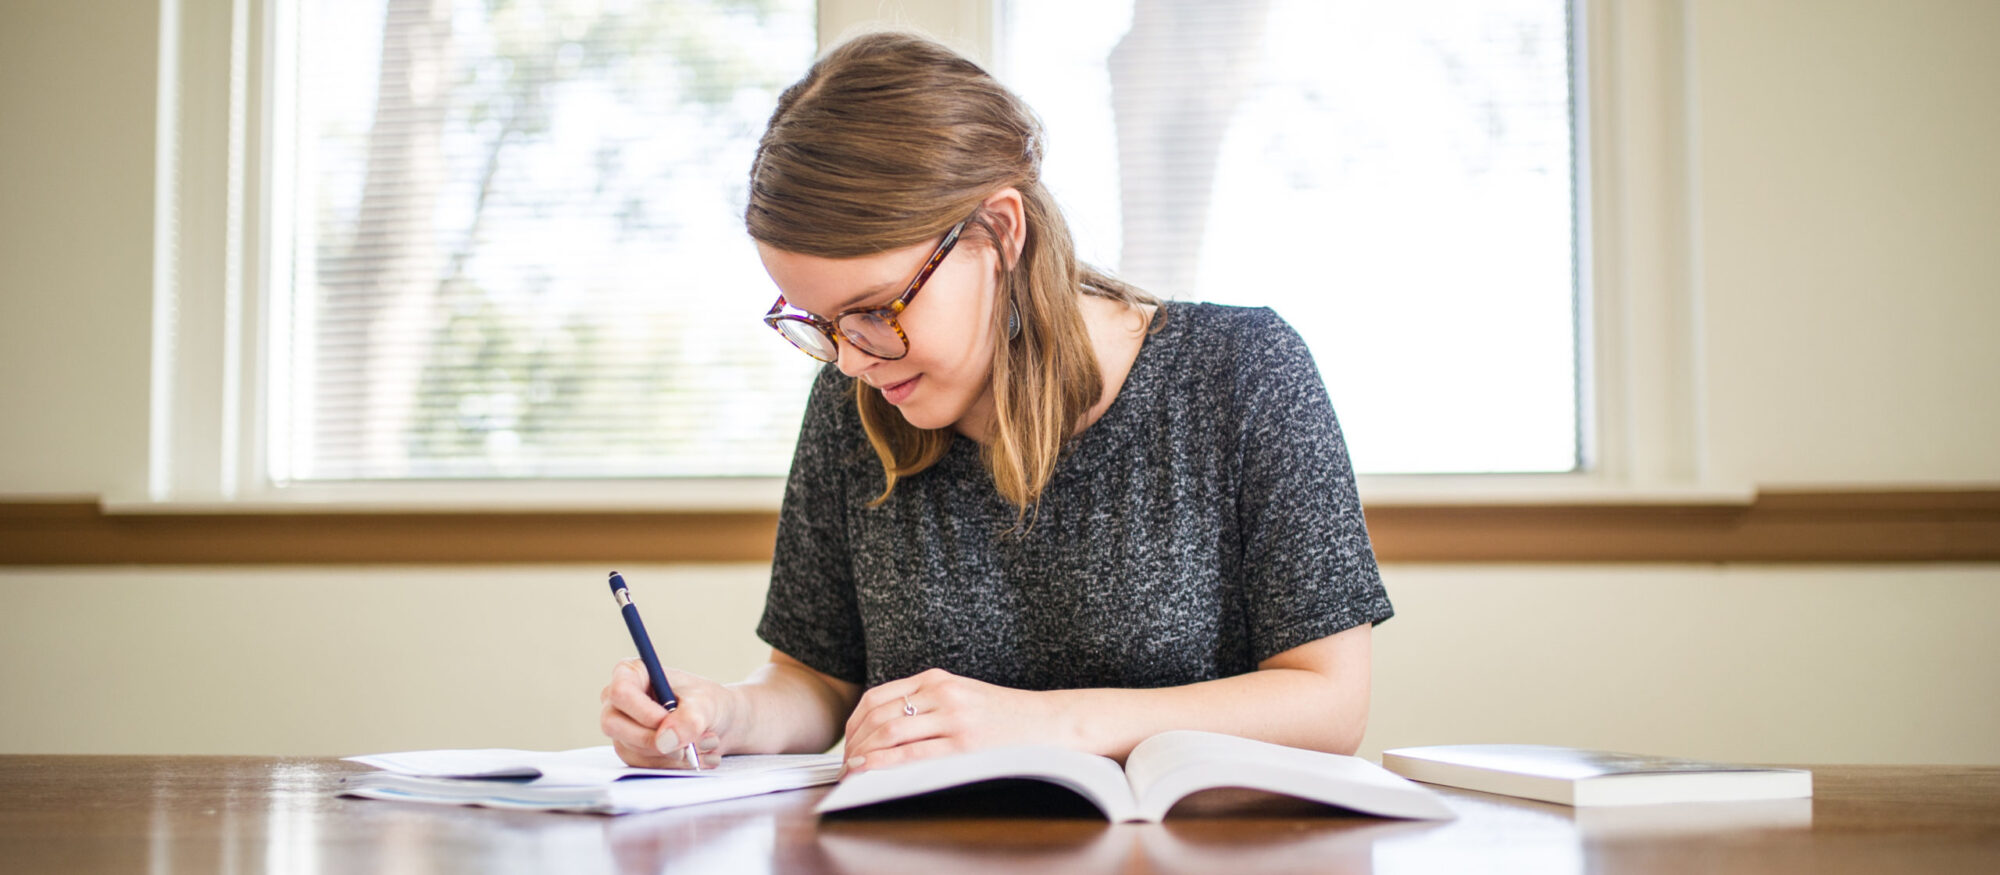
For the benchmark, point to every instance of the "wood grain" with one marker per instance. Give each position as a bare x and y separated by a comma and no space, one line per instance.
210,814
1779,526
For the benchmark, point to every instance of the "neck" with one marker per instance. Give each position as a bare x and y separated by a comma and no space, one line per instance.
1116,333
978,421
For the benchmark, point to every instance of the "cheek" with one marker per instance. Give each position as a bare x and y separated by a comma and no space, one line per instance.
941,346
955,364
950,344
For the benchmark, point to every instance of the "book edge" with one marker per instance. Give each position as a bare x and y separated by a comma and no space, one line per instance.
935,775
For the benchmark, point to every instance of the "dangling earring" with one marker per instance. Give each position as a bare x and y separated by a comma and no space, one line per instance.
1013,321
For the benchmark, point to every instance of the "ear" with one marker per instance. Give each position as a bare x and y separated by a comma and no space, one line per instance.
1010,213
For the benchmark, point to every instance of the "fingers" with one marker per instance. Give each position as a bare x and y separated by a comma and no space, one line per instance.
900,754
884,705
648,758
867,732
873,701
694,721
630,692
640,746
634,743
646,734
902,731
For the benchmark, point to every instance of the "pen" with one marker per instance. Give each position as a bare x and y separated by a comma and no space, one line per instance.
662,693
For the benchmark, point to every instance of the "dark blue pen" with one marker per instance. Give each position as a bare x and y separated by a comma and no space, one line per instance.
662,693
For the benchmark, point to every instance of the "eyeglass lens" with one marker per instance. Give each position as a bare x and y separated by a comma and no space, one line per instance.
808,338
872,334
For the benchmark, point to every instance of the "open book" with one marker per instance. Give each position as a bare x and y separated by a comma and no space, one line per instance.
1161,771
589,779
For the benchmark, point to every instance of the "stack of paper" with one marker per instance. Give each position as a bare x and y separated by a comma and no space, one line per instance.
590,779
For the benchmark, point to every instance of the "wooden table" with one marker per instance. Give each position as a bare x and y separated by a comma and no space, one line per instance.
248,814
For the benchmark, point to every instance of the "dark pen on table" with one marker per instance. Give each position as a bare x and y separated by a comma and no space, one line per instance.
662,693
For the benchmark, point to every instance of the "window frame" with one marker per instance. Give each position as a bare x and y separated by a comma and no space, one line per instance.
217,247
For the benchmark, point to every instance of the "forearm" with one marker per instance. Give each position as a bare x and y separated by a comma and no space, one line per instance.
783,709
1294,707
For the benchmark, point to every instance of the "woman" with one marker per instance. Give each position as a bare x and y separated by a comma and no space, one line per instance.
1029,502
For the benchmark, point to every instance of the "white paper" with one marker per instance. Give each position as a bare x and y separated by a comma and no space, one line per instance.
584,766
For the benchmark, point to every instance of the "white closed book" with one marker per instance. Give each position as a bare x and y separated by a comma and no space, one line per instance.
1582,777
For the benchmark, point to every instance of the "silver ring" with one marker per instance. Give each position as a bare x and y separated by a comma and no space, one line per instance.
909,710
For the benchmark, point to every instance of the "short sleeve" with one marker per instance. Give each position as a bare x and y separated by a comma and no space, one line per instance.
810,610
1309,568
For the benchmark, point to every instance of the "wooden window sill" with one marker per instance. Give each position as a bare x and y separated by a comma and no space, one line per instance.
1777,526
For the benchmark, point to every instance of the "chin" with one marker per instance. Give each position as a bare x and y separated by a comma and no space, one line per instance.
923,417
929,415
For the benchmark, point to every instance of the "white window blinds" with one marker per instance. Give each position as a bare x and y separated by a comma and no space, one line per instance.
519,247
1395,178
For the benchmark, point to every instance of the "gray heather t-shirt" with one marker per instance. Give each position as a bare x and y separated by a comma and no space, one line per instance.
1207,521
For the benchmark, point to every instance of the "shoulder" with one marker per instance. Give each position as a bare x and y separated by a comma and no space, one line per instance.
1227,329
1205,320
1242,347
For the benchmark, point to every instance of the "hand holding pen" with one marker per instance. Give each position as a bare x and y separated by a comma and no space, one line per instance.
621,713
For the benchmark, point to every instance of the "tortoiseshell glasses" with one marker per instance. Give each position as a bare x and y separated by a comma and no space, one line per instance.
873,330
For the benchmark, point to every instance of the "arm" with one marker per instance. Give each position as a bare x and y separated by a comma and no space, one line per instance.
1312,696
787,707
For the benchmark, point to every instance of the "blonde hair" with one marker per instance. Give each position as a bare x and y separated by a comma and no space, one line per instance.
888,141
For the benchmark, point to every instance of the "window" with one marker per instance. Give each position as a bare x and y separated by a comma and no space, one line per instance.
1442,303
516,242
1396,179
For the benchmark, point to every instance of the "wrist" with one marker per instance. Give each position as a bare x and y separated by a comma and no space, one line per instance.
737,717
1077,726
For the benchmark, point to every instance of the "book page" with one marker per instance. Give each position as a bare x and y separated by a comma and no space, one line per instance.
1093,777
1169,766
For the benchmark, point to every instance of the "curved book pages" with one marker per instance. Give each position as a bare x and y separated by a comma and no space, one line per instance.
1582,777
1161,771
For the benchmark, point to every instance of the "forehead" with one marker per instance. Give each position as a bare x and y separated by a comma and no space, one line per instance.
828,285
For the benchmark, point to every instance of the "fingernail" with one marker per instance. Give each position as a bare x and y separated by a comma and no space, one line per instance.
708,744
668,742
855,763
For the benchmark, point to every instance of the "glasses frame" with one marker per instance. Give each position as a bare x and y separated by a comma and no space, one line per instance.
888,313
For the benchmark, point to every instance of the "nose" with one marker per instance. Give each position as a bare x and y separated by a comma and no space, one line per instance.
852,362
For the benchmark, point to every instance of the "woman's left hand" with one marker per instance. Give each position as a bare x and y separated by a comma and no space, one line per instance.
952,714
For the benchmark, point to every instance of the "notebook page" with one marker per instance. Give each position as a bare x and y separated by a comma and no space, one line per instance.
585,766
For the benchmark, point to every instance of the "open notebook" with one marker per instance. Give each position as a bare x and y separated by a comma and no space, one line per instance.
589,779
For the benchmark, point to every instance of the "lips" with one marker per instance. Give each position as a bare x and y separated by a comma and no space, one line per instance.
895,393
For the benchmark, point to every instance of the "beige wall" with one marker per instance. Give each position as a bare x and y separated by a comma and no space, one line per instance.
1848,292
1847,217
76,243
1876,664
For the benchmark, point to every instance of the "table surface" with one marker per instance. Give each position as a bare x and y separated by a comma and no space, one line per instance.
248,814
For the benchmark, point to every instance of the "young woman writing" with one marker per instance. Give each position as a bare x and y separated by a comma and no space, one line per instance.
1029,502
